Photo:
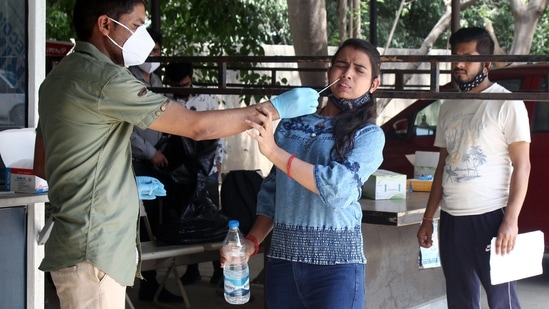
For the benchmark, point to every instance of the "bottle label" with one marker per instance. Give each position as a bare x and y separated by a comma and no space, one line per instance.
237,286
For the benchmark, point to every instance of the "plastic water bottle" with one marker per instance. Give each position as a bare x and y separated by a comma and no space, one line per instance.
236,286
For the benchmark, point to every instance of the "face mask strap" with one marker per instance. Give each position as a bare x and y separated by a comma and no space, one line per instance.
115,43
121,24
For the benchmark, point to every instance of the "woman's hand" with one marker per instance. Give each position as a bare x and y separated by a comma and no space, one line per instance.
263,132
248,251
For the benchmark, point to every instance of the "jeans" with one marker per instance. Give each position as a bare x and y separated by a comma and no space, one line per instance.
293,285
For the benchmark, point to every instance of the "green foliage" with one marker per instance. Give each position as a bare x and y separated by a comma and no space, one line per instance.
58,19
498,12
332,23
204,27
540,45
230,27
240,27
419,17
415,22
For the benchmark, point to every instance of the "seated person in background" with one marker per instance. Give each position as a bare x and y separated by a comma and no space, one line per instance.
180,74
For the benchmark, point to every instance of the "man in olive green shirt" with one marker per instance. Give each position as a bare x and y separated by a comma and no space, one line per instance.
88,106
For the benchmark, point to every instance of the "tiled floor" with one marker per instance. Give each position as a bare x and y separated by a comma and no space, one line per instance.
533,292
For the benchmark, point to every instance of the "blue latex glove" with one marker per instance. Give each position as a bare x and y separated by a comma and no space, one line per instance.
149,187
296,102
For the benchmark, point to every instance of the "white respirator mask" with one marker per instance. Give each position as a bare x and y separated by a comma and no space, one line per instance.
137,47
149,67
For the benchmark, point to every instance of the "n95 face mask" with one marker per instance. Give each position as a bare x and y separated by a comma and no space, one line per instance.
137,47
149,67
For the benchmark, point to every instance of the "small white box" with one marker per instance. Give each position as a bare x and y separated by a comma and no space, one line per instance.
385,185
425,163
23,180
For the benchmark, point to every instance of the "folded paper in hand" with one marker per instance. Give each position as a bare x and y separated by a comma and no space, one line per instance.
430,257
524,261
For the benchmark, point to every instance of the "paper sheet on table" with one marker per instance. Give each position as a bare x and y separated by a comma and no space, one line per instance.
524,261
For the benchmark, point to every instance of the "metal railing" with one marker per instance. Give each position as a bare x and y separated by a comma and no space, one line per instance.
272,66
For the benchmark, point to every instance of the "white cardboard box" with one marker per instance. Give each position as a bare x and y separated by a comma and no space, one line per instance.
23,180
424,162
17,151
385,185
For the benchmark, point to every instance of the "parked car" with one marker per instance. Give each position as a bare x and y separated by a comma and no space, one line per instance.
414,128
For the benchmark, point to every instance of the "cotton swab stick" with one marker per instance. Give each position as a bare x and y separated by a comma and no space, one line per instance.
330,85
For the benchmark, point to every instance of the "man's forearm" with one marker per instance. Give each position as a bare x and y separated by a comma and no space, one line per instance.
206,125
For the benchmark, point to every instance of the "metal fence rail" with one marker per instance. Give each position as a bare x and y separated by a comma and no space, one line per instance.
272,67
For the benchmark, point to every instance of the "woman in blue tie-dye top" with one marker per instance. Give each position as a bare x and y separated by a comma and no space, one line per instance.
310,199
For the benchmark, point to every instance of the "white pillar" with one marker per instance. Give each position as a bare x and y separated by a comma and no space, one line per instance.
36,56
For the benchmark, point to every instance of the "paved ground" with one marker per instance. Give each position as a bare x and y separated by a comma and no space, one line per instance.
533,292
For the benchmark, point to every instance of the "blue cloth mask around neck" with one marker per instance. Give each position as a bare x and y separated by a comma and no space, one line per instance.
345,104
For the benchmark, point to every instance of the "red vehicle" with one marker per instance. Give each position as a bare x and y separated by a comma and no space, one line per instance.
414,129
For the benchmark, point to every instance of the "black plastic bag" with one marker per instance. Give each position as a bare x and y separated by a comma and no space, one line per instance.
186,157
189,215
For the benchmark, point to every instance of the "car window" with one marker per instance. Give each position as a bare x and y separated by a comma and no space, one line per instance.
541,112
425,122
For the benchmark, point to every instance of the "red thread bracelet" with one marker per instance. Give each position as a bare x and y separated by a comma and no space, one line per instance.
255,242
428,219
289,166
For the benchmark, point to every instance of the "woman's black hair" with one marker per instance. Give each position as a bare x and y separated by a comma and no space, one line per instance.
347,123
86,13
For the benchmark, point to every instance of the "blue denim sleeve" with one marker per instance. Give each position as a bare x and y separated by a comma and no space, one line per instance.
340,183
266,195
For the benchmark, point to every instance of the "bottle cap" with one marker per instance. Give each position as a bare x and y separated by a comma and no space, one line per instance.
233,223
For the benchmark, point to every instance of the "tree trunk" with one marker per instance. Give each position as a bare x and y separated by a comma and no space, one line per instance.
526,19
357,29
349,19
308,28
342,14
